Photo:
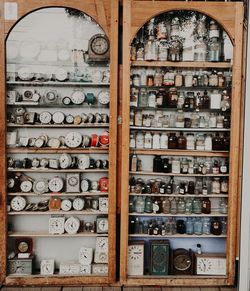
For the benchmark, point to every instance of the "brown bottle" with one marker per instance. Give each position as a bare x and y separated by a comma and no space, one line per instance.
172,141
206,205
181,142
216,143
216,227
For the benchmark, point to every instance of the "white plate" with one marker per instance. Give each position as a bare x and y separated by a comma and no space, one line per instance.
29,49
25,74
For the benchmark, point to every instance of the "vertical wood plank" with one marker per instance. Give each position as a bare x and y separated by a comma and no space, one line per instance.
72,289
171,289
51,288
31,288
92,288
101,14
132,288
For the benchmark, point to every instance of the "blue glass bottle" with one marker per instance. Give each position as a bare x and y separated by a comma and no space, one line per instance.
198,226
197,205
206,225
190,226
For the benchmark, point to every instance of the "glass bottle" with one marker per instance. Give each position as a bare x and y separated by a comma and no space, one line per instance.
216,168
221,79
216,226
148,140
143,98
224,186
157,164
189,226
173,206
164,141
225,102
180,101
181,206
151,49
188,205
180,226
166,205
156,141
132,225
200,142
212,120
163,50
190,141
208,142
189,79
139,204
148,205
224,225
166,166
179,119
139,142
134,95
215,189
158,78
168,78
204,189
172,98
184,166
181,141
214,50
170,186
157,205
176,165
216,142
131,204
197,205
223,206
138,118
206,205
136,80
161,97
150,80
152,99
224,167
191,187
140,49
200,50
220,121
172,141
213,79
198,226
132,117
178,79
206,225
195,120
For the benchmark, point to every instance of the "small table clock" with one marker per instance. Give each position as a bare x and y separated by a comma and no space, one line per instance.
21,267
136,258
98,48
211,264
182,262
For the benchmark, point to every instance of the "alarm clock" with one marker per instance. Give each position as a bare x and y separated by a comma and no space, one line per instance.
19,267
102,224
85,256
98,48
47,267
56,225
159,257
73,182
72,225
100,269
136,258
182,262
210,264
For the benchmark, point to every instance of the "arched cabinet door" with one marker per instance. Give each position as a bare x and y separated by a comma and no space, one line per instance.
58,150
179,170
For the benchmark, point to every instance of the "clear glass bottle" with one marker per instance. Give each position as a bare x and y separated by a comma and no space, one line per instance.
173,206
164,141
189,226
139,142
148,140
138,118
188,205
152,99
214,50
223,206
200,142
206,225
212,120
132,140
224,185
176,165
166,205
143,98
179,119
190,141
198,226
181,206
151,49
156,141
215,189
132,118
163,50
148,205
197,205
208,142
139,204
158,78
189,79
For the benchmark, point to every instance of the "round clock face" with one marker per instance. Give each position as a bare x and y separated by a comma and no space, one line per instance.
66,205
77,97
182,262
54,143
83,162
17,267
40,186
72,225
73,181
66,100
50,96
10,183
23,247
26,186
85,184
73,139
103,224
39,142
35,163
103,97
18,203
44,162
25,73
99,45
58,117
65,161
78,204
61,74
56,184
69,119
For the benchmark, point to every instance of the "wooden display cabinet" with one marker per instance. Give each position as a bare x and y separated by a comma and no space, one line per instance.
136,15
105,15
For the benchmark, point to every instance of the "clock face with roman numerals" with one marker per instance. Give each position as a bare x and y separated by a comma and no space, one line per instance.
135,259
135,252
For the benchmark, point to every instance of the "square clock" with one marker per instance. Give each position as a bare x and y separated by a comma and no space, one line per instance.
211,264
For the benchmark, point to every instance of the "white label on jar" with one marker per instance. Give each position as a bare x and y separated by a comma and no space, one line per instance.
155,208
148,142
215,101
132,143
224,187
176,167
200,147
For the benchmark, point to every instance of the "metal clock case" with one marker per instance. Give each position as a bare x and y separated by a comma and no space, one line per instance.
102,224
20,267
159,257
98,48
213,264
182,262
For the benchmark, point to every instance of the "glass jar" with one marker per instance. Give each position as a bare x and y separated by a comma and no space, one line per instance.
148,140
163,188
172,98
175,49
216,227
190,141
213,79
173,206
216,168
202,122
214,50
132,140
184,166
212,120
224,186
156,141
148,205
200,142
224,167
163,50
152,99
170,186
172,120
165,121
188,206
164,141
151,49
220,121
157,164
139,142
150,80
166,204
180,226
158,118
182,188
189,226
208,142
198,226
178,79
157,205
206,225
206,205
168,78
139,204
179,119
191,187
195,120
181,206
143,98
140,51
215,189
189,79
134,96
172,141
143,75
146,120
176,165
158,78
181,142
138,118
200,50
197,205
136,80
223,206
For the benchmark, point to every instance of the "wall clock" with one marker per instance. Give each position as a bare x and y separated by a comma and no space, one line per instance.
210,264
136,258
159,257
182,262
98,48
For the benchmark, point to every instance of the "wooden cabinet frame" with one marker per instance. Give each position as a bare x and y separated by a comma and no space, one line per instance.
105,13
230,17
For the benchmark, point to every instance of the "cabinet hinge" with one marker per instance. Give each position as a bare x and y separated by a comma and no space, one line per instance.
119,119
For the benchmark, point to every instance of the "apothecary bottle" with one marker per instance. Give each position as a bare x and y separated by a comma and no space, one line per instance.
212,120
134,95
151,49
163,50
191,187
216,142
157,205
189,79
179,119
148,140
178,79
176,165
164,141
188,205
166,205
138,118
208,142
172,141
139,140
198,226
200,142
152,99
139,204
197,205
173,207
161,97
223,206
143,98
181,206
131,204
206,205
200,50
172,98
181,141
190,141
148,205
206,225
189,226
215,189
216,227
170,186
224,185
156,141
180,226
214,50
132,118
157,164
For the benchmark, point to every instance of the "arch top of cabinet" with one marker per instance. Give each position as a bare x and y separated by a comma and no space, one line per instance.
99,10
144,10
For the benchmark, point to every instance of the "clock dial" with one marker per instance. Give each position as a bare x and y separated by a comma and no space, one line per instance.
103,97
18,203
65,161
56,184
204,265
61,74
47,267
66,100
54,143
72,225
77,97
85,184
83,162
58,117
26,186
50,96
73,139
39,142
56,225
17,267
85,256
211,264
40,186
85,269
45,117
103,204
182,262
66,205
100,45
102,225
23,247
102,244
78,204
69,119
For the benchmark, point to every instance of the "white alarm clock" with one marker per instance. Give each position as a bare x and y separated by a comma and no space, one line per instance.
211,264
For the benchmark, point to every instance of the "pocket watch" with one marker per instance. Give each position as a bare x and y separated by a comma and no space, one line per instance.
28,95
102,224
56,225
66,100
77,97
83,162
56,184
54,204
85,256
69,119
40,186
103,204
26,186
73,139
182,262
65,161
58,117
45,117
78,204
103,97
73,182
18,203
66,205
54,143
47,267
85,185
72,225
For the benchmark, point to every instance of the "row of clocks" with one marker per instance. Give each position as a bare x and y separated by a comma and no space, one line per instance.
20,117
60,224
65,161
73,139
163,261
74,184
53,97
19,203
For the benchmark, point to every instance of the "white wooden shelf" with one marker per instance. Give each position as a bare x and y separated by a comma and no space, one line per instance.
180,195
71,212
56,83
46,170
179,129
83,125
177,175
61,194
212,214
46,150
178,236
46,234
